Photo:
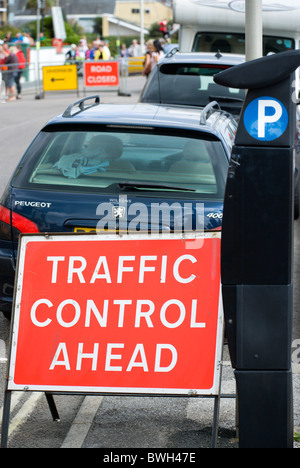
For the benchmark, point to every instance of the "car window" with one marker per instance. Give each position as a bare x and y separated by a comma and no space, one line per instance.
234,43
190,85
106,161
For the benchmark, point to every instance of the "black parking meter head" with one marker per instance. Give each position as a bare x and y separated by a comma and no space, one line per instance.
257,228
260,73
272,80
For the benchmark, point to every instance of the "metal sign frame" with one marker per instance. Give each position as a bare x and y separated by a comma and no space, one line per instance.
20,306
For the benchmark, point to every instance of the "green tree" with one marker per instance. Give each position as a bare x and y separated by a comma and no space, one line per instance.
45,4
98,26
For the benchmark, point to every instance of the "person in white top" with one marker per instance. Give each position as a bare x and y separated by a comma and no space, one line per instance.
134,50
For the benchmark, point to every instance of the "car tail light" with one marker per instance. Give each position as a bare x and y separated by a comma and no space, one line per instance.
11,222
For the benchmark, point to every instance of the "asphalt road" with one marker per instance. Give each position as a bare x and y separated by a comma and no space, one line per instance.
113,421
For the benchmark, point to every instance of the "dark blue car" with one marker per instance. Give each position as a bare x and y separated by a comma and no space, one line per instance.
117,168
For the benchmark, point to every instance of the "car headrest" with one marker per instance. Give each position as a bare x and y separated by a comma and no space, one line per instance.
112,146
195,150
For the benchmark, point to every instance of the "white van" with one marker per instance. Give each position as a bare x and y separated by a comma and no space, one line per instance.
211,25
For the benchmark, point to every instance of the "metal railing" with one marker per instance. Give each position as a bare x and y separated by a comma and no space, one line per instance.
31,79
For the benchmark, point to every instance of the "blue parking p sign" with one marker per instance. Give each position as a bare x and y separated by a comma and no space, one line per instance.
266,118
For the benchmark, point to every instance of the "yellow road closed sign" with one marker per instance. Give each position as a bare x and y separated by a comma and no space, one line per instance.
60,77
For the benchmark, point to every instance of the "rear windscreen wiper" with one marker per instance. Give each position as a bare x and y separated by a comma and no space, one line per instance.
125,185
225,99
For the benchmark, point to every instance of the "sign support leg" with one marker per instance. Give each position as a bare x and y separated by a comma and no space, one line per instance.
217,400
215,421
5,418
52,407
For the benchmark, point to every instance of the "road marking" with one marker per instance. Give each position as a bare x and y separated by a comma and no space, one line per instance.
24,412
296,368
82,422
14,401
3,357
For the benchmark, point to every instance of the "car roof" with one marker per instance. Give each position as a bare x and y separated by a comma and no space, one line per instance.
203,57
142,114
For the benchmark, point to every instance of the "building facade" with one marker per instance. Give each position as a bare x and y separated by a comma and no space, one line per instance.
154,11
3,12
119,17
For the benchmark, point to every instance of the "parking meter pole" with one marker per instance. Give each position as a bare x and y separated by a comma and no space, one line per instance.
257,249
253,29
142,25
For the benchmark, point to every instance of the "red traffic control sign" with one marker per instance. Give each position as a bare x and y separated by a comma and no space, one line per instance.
103,73
131,314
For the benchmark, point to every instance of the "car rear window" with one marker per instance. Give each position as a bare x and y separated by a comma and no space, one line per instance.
190,84
235,43
126,159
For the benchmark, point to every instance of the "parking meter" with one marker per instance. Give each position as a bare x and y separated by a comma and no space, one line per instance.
257,249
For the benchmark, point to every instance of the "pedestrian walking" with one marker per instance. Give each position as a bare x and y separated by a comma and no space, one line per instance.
13,63
124,51
100,52
134,50
153,55
21,68
72,54
2,82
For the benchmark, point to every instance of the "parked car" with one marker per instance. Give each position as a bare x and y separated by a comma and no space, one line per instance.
103,167
187,79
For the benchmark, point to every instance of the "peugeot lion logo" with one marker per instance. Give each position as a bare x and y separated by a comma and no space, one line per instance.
118,211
